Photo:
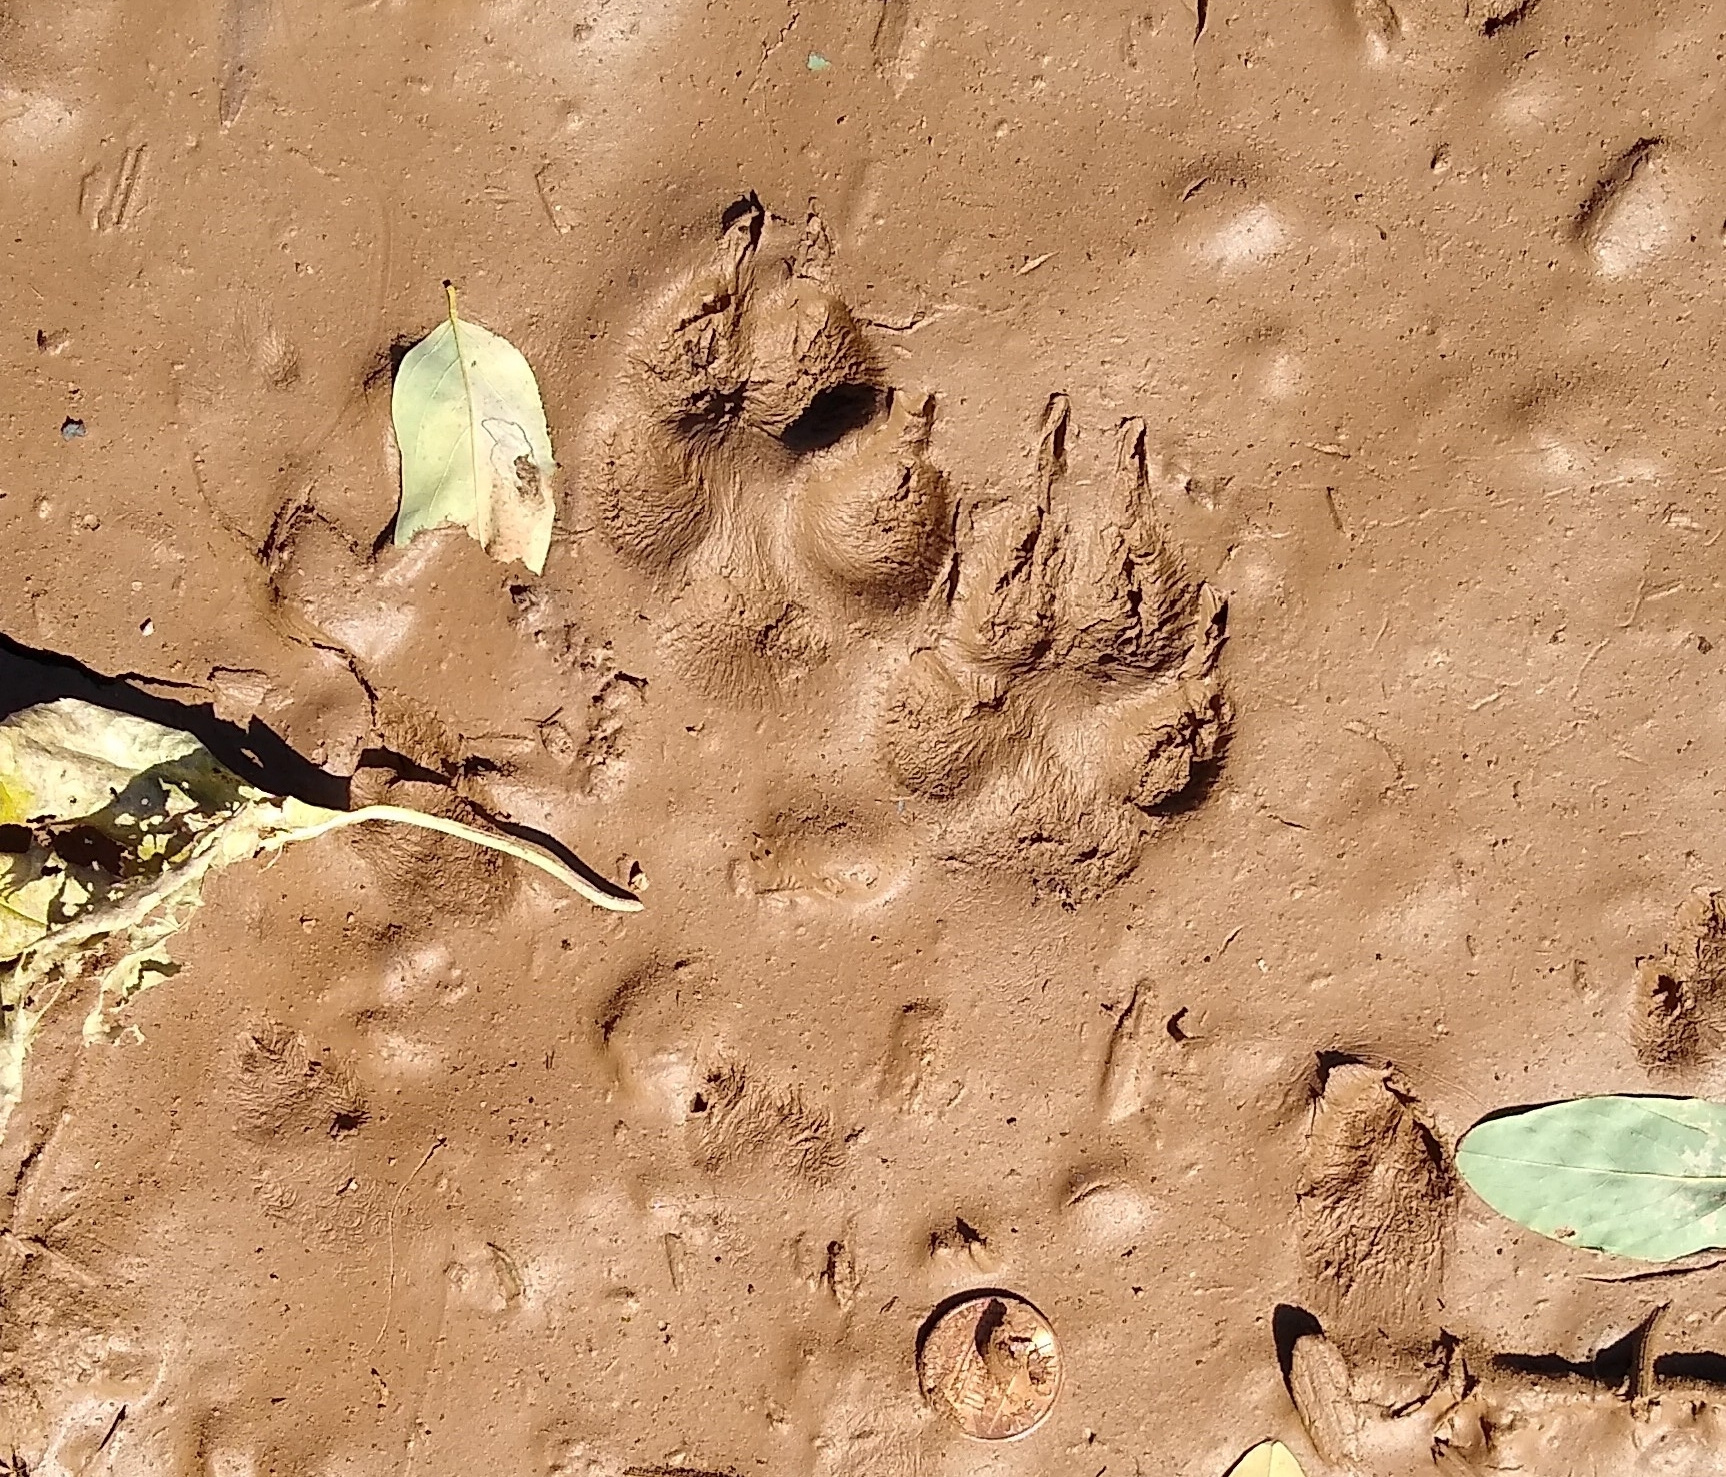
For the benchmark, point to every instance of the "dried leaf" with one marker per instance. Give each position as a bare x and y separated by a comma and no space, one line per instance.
474,444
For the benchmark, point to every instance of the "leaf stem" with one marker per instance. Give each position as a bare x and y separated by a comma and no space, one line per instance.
618,901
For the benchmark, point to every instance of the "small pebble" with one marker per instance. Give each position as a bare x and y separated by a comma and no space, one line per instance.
71,429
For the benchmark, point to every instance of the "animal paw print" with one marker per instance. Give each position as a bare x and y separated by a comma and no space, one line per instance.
756,461
1067,688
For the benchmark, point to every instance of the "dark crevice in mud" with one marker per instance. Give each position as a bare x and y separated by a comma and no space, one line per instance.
1704,1368
1290,1324
1206,775
257,754
1507,20
401,767
1624,1365
832,415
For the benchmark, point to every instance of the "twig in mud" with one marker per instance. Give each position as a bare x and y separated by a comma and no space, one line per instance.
1336,512
390,1224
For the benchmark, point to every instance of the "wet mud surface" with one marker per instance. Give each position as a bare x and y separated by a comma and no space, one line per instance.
1136,592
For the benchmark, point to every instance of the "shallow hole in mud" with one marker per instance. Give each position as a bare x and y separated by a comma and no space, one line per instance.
832,416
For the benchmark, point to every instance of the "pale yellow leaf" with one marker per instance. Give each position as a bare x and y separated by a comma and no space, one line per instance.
1267,1459
474,444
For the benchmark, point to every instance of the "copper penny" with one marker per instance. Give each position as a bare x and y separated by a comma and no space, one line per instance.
989,1362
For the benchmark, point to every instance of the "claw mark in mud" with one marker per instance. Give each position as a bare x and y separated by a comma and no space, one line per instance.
1611,184
1373,1212
1139,26
1628,214
913,1047
1679,1017
890,22
245,23
756,463
106,197
1125,1085
898,41
677,1472
1065,689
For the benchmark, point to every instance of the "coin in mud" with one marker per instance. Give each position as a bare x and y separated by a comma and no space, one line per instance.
989,1362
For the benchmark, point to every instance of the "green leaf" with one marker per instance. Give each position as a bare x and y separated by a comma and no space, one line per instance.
1267,1459
124,819
474,445
1641,1177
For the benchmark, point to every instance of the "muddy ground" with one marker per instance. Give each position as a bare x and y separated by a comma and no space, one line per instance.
1136,592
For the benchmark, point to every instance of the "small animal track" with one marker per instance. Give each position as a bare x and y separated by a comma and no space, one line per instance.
913,1048
1127,1084
1679,1018
1374,1211
107,197
735,1115
958,1241
830,1266
806,852
755,461
282,1091
298,1108
745,1120
1066,689
588,739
